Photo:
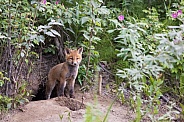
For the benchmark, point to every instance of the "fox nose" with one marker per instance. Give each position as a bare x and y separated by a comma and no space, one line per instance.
74,63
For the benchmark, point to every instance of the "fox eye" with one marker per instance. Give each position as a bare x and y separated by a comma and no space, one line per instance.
71,58
77,58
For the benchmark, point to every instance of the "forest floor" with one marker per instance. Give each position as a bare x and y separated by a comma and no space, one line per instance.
63,109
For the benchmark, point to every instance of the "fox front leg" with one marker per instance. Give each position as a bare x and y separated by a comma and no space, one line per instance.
71,88
60,88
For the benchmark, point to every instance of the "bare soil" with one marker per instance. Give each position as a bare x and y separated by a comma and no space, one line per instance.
62,109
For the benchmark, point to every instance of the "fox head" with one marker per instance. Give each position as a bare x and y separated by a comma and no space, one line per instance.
73,57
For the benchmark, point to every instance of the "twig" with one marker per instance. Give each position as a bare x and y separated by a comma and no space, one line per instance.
82,101
167,101
89,53
89,50
100,84
40,74
106,69
9,49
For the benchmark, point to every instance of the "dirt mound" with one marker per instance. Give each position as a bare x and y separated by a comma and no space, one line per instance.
64,109
72,104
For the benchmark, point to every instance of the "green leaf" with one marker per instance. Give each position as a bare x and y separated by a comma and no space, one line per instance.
95,4
1,37
182,106
55,23
9,105
26,60
49,11
1,75
115,21
86,36
43,27
41,38
55,32
138,109
22,54
84,20
101,1
70,29
50,34
103,10
1,83
110,31
61,117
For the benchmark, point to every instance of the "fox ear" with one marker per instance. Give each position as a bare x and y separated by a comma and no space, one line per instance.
67,51
80,50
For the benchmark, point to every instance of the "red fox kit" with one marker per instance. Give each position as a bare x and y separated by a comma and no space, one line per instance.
64,73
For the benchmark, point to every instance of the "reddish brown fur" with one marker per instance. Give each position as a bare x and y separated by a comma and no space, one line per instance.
64,73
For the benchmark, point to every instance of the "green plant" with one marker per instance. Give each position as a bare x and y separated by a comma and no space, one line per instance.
143,73
171,48
92,23
16,41
93,114
82,74
19,98
5,101
68,116
50,49
22,95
